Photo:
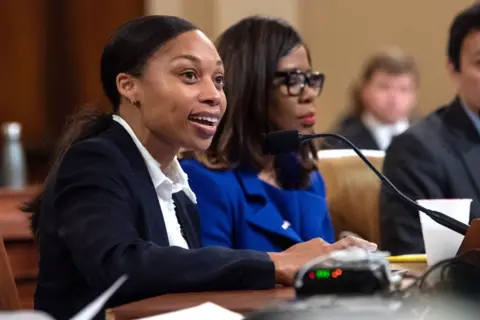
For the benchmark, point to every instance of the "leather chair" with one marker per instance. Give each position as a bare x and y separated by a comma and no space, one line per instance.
353,191
19,247
9,299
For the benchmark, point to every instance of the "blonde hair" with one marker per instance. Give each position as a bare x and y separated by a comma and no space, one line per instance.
391,60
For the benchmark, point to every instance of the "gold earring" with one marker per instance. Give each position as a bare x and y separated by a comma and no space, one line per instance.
133,101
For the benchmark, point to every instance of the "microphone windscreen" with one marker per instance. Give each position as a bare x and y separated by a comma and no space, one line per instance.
280,142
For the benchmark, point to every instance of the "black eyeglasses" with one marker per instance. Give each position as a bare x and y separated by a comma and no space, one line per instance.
296,80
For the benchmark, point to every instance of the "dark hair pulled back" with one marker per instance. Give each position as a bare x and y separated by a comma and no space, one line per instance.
127,51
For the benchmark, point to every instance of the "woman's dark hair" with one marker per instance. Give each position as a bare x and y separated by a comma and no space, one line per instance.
391,60
128,51
251,50
465,22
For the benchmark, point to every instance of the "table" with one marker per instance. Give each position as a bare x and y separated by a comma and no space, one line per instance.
238,301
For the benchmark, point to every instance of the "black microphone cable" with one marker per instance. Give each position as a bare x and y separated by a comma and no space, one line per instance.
290,140
454,224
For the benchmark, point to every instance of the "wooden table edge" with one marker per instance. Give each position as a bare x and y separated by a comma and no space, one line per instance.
110,312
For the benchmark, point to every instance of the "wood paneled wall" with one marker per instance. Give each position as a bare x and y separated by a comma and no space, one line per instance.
341,34
22,60
51,48
50,65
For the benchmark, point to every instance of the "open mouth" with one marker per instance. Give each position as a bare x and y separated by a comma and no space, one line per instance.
205,126
208,121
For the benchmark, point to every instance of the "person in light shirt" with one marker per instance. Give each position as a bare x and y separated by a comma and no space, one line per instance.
382,102
116,200
438,158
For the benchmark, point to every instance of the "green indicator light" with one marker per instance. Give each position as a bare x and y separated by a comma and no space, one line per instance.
323,274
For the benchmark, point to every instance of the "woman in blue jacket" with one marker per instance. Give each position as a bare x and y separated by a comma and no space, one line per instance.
247,199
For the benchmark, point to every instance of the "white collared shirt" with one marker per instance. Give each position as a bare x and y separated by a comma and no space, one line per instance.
381,132
166,182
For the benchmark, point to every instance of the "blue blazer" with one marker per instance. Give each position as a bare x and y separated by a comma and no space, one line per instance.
237,210
101,218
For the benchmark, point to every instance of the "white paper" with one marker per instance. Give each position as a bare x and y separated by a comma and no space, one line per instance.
440,242
96,305
86,313
205,311
24,315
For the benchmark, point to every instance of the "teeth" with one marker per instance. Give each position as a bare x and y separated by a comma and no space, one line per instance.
209,119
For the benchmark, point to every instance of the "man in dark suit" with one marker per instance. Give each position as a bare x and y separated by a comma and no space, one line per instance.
440,156
382,100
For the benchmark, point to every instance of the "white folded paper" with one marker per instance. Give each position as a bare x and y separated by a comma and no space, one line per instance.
207,310
86,313
24,315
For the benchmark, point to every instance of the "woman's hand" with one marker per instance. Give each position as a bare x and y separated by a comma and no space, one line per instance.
289,261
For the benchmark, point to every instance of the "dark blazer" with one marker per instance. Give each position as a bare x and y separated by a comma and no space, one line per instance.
238,210
101,218
352,128
436,158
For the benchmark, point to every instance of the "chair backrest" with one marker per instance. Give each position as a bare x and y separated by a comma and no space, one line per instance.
352,191
19,244
9,299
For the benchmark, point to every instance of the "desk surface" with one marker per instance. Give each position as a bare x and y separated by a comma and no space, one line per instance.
238,301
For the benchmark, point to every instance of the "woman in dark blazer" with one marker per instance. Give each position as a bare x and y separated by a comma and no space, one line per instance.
246,199
116,200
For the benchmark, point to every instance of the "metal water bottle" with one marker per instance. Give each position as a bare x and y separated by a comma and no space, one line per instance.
13,170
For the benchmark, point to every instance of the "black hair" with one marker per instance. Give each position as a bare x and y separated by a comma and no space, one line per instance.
464,23
132,45
251,50
128,51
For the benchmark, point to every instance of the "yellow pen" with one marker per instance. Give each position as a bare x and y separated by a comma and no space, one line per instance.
408,258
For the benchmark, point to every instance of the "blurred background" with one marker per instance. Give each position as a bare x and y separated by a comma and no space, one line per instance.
51,50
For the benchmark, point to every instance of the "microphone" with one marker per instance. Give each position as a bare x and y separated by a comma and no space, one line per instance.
287,141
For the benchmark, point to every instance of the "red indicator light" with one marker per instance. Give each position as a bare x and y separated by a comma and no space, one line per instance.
337,273
311,275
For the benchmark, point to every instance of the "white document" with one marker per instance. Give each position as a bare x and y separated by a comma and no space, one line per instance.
24,315
96,305
86,313
205,311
